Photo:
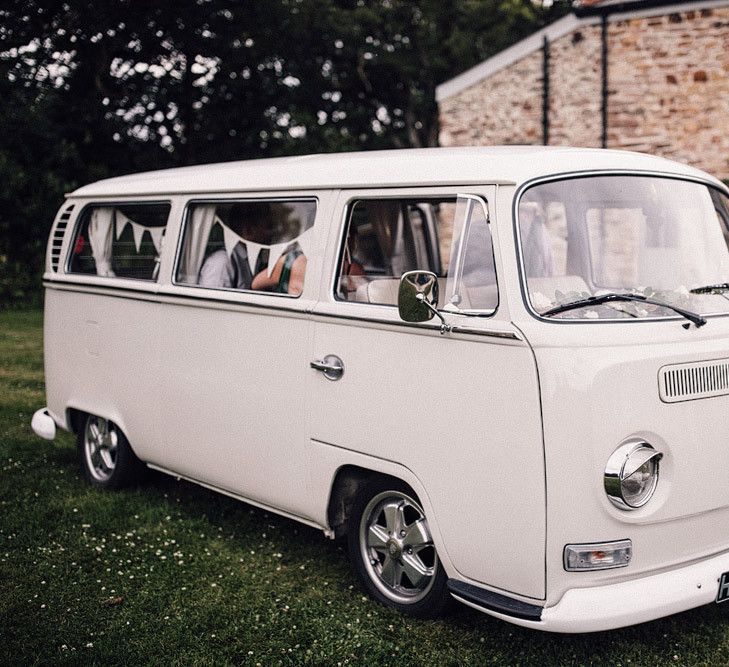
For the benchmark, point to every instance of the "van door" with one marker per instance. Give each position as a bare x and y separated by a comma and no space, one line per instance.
460,410
236,336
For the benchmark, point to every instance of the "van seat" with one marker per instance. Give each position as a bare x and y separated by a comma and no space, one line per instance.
385,290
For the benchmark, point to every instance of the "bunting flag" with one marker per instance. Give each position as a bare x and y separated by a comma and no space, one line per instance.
253,250
121,222
230,238
156,233
138,231
304,240
275,254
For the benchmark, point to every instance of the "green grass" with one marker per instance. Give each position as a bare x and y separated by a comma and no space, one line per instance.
200,578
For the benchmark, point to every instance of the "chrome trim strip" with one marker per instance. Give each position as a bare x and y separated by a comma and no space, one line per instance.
237,496
586,174
206,301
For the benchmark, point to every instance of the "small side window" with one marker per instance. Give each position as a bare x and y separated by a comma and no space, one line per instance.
472,284
120,240
247,245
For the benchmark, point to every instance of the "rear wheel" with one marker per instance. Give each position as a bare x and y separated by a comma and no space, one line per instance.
393,552
107,460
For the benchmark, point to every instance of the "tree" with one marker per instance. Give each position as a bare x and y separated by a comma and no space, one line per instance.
93,88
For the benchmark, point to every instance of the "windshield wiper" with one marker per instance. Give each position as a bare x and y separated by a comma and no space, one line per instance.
718,288
613,296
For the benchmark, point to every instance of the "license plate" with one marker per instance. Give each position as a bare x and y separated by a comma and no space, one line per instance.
723,594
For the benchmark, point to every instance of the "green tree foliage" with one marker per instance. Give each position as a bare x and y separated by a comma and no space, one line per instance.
94,88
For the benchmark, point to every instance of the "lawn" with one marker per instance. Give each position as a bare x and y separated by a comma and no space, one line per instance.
171,573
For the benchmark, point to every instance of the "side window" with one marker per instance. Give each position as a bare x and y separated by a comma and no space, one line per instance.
387,237
472,284
122,240
247,245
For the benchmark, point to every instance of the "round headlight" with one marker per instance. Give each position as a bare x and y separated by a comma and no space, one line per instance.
631,474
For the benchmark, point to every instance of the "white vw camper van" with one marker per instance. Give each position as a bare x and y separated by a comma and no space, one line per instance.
502,374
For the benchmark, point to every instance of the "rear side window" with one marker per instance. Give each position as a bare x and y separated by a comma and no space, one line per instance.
119,240
251,245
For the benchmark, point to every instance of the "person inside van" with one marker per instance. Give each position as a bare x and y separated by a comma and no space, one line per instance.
287,276
353,273
222,270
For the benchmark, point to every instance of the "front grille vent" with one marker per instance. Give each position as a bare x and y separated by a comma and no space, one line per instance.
686,382
57,238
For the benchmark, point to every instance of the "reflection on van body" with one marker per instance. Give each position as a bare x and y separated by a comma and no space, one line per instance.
534,424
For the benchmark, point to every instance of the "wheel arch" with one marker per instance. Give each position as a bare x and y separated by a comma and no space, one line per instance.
75,419
347,482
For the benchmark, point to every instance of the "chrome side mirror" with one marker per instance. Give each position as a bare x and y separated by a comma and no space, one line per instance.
418,290
417,298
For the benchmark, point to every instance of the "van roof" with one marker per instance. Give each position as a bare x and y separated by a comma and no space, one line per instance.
390,168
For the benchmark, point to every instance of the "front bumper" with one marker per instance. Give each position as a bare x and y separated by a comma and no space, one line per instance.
622,604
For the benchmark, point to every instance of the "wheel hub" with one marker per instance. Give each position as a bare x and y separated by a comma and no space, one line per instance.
394,548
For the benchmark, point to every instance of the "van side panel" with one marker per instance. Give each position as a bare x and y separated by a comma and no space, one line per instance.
234,411
102,356
462,414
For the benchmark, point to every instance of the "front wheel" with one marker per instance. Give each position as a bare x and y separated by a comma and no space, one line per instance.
392,550
107,460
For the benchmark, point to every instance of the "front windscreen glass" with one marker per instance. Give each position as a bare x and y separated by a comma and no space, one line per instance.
656,239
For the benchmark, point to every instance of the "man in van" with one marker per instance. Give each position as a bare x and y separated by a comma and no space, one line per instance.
222,270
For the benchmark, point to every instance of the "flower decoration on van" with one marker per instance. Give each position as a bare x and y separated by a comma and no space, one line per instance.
678,297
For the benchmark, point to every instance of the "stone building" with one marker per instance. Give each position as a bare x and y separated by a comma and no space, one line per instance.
644,75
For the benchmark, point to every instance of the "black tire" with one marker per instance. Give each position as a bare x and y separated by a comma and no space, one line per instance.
106,458
384,566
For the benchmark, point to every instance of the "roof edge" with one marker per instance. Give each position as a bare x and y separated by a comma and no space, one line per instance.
510,55
623,6
618,10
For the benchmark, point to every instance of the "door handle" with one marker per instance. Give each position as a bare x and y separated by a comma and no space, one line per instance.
331,365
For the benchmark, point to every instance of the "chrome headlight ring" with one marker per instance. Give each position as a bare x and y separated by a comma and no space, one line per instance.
631,474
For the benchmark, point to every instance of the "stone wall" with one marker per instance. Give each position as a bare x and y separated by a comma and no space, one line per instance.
506,108
669,87
668,92
575,77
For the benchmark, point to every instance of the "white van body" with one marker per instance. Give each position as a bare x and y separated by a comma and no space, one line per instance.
502,425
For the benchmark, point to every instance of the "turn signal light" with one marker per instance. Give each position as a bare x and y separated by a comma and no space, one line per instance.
602,556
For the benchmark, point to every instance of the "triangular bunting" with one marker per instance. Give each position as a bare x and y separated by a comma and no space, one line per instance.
274,255
230,238
304,240
253,250
138,231
121,222
157,234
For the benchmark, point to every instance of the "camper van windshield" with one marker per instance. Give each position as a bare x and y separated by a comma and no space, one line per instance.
660,238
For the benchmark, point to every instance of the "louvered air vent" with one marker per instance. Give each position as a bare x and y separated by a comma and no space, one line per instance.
57,238
685,382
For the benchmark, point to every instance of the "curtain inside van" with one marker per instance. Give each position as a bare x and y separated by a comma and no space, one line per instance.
202,219
101,235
